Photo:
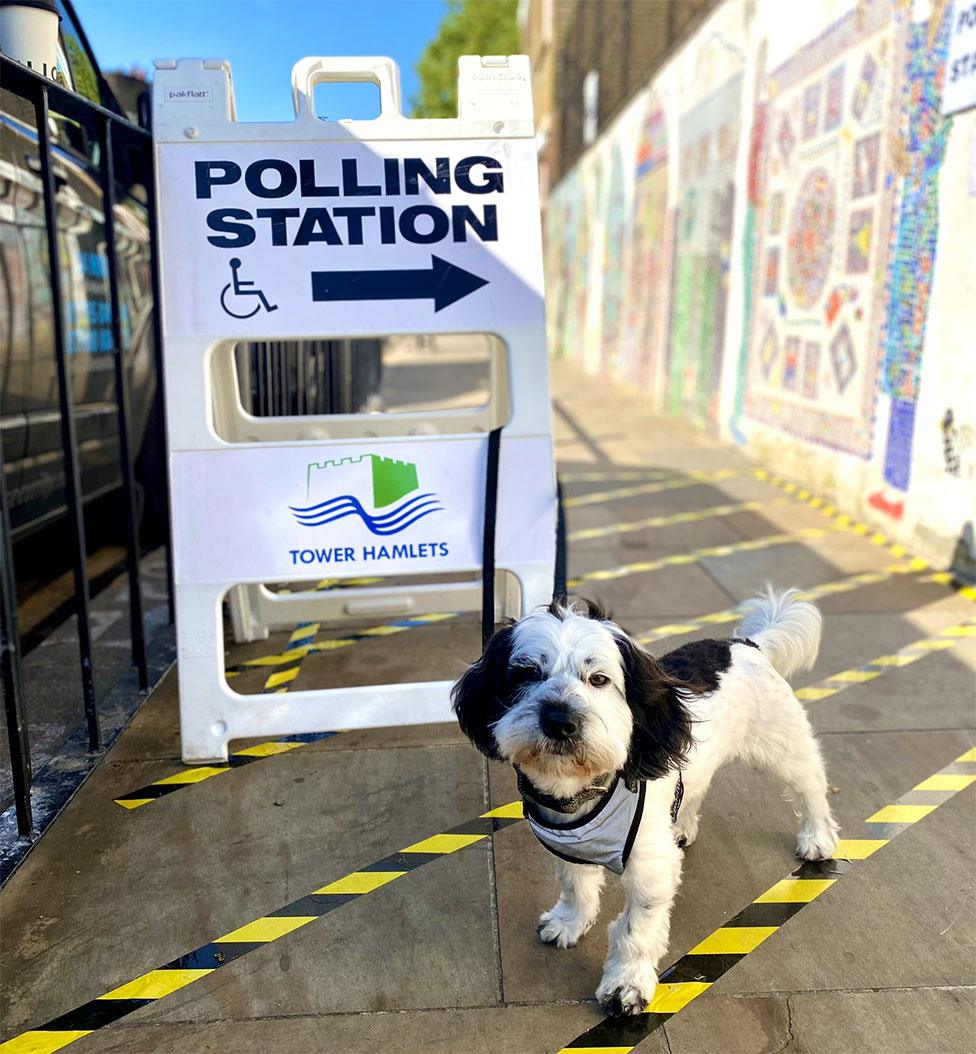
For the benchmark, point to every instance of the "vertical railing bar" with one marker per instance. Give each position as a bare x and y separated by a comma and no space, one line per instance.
13,702
136,624
160,377
69,445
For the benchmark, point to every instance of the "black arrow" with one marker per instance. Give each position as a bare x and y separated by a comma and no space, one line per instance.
444,283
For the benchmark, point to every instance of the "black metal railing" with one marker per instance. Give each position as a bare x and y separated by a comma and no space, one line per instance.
112,133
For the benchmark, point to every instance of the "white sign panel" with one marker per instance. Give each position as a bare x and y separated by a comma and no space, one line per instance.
342,238
959,91
355,508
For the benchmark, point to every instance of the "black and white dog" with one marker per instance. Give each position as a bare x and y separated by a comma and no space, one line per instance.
615,751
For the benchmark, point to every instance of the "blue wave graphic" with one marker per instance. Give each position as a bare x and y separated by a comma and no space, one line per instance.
392,522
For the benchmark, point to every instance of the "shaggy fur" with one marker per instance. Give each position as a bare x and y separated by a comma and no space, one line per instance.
568,697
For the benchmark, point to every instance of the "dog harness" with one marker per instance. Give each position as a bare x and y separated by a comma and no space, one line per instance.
604,836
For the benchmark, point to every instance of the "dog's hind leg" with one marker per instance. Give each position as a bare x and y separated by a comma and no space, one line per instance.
578,905
787,748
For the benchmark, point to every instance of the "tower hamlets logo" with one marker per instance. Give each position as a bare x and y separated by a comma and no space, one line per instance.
385,480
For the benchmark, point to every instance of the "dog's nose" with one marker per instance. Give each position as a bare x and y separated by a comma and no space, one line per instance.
557,722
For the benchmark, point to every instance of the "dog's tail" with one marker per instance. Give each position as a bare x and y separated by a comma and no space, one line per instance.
787,630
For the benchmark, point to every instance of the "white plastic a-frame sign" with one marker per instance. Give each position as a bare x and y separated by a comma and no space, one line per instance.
313,229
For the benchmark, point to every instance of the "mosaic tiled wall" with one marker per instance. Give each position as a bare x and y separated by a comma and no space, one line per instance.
774,241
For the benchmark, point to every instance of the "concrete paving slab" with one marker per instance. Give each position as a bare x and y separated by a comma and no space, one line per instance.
495,1030
77,914
804,563
426,941
638,599
915,1021
919,892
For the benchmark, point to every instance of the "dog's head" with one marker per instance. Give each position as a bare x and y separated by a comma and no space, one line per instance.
567,696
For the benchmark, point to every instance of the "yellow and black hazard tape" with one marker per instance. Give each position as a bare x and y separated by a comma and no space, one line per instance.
841,585
869,671
297,653
693,974
678,559
195,774
203,961
849,523
714,512
680,983
693,479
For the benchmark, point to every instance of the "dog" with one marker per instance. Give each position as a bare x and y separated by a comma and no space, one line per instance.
615,751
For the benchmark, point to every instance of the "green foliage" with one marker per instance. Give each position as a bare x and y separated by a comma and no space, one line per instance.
82,72
470,27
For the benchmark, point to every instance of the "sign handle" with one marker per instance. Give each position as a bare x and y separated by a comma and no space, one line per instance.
308,72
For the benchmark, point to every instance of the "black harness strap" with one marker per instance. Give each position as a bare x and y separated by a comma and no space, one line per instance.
488,538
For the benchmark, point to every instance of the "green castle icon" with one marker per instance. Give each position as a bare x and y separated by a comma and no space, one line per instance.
390,479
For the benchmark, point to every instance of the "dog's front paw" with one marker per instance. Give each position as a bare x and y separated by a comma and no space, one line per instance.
626,996
562,929
816,842
686,831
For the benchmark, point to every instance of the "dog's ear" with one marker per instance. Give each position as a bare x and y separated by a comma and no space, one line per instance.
479,696
661,735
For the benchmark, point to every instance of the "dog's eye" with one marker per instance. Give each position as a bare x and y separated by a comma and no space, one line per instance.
599,680
525,674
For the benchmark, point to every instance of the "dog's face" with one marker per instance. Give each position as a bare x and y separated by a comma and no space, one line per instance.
567,696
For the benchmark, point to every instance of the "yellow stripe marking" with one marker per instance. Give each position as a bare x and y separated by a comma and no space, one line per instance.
156,984
668,631
266,929
304,631
970,755
795,891
946,781
893,660
133,803
733,940
267,750
816,693
511,811
901,814
39,1041
596,1050
959,631
194,775
855,676
670,998
361,882
443,843
932,645
332,645
858,848
275,680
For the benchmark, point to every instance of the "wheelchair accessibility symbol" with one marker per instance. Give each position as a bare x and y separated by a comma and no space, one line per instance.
237,290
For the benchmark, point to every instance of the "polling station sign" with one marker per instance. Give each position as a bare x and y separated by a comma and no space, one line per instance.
346,237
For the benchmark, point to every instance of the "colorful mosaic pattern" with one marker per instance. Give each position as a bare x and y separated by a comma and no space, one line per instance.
811,238
914,240
702,250
646,274
829,208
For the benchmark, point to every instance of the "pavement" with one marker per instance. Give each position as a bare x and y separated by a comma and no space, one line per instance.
430,946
